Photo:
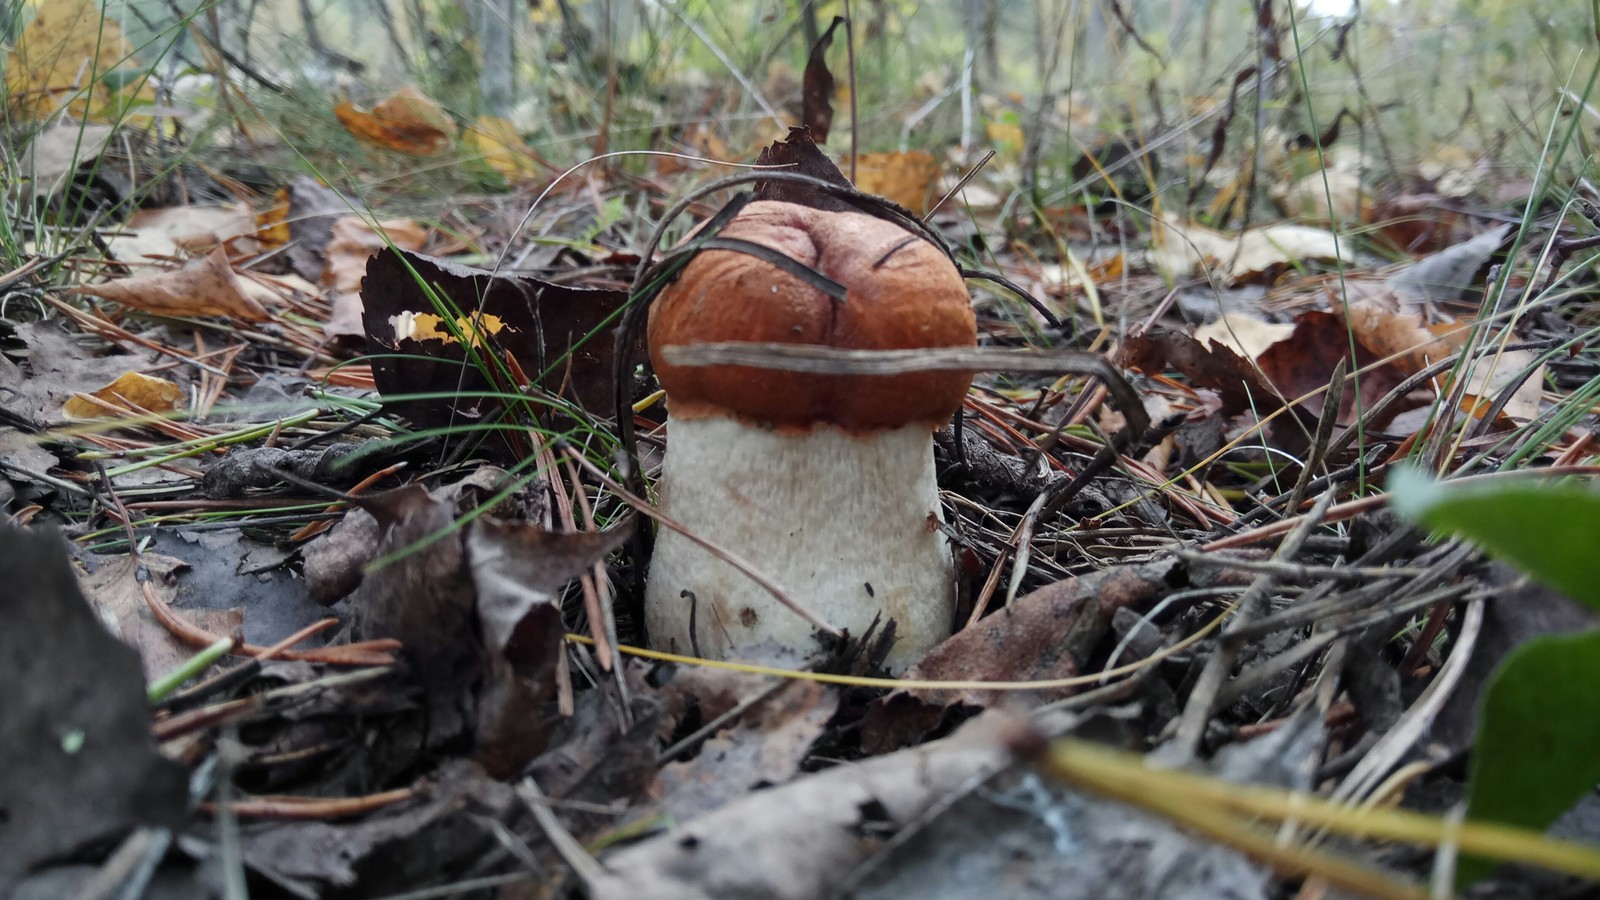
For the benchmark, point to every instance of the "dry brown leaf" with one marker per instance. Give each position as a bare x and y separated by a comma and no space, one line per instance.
1303,364
116,589
405,122
164,232
1417,345
354,241
205,287
60,58
1186,250
146,392
907,178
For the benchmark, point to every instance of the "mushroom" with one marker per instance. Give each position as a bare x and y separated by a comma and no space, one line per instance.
824,483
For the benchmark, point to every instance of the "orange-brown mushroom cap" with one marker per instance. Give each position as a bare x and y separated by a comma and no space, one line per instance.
902,293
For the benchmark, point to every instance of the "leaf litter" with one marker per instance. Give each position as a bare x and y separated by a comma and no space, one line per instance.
474,714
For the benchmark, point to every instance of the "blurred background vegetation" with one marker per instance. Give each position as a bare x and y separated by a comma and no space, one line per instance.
1415,95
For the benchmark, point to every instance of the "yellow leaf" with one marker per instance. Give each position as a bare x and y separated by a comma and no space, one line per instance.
1006,137
132,391
906,178
60,58
405,122
502,148
272,223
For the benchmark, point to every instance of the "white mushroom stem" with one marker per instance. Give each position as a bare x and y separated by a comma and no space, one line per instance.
846,523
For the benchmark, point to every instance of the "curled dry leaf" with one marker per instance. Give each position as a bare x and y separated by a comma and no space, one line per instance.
800,841
477,609
132,391
205,287
405,122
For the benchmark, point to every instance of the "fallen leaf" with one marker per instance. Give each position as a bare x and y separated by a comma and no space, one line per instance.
1451,272
475,608
55,368
502,149
272,223
61,58
765,747
1186,250
1303,364
393,849
816,111
909,178
205,287
165,232
1416,223
559,335
116,588
81,766
799,153
800,841
130,390
1246,335
352,242
1238,384
1454,171
405,122
55,154
1309,198
313,208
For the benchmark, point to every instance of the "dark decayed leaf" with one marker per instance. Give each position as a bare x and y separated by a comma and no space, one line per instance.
1219,368
518,570
798,153
77,760
400,848
256,467
475,606
1048,634
560,336
816,111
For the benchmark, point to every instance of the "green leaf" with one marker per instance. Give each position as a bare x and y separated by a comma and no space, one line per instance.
1550,531
1538,747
